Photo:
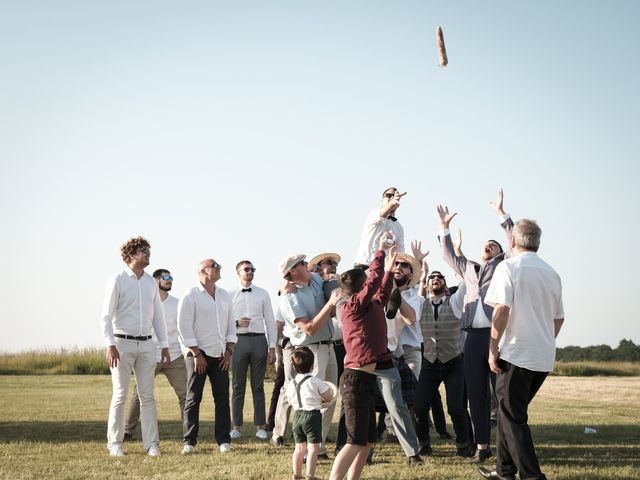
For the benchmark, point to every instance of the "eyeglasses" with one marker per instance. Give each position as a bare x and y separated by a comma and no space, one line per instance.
167,278
248,269
331,263
215,265
403,264
439,277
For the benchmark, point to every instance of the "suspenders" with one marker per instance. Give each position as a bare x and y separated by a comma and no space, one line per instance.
298,385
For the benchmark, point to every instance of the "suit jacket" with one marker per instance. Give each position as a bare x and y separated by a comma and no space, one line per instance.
477,276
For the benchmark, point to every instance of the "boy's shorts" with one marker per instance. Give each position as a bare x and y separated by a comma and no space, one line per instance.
357,389
307,426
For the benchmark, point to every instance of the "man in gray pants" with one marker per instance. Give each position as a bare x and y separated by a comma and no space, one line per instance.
256,330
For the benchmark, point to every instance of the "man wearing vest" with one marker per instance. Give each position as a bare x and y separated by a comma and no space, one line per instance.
442,362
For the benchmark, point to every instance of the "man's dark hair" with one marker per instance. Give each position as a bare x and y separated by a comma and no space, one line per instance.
302,359
387,189
160,272
353,280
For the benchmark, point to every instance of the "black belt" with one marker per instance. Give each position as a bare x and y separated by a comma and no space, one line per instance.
337,342
250,334
323,342
131,337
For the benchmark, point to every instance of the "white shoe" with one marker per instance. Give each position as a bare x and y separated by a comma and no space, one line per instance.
154,451
235,434
116,451
187,449
225,448
261,434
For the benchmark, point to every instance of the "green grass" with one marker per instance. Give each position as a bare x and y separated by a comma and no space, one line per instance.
54,427
597,369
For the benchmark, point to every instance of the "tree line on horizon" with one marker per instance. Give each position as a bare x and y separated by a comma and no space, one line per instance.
626,351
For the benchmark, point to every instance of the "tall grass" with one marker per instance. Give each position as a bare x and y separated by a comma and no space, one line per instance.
597,369
63,361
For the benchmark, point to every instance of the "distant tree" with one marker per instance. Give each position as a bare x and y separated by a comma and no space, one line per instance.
626,351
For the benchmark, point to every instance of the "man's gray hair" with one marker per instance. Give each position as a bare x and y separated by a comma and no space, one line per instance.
526,234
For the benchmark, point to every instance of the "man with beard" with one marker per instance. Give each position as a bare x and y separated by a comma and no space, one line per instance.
476,321
175,370
442,362
131,312
380,221
256,330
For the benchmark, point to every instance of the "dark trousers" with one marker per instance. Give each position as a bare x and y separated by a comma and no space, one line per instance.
437,412
431,376
219,380
277,385
477,377
341,439
515,389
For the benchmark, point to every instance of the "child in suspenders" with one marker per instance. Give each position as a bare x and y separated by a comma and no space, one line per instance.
306,394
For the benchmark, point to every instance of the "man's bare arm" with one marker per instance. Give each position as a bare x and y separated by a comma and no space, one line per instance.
498,325
558,325
311,327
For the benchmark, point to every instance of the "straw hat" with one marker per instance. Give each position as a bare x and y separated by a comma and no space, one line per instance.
324,256
416,268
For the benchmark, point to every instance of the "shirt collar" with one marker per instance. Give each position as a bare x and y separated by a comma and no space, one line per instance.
130,272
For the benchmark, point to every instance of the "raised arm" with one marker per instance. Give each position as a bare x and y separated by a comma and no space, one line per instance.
505,221
457,263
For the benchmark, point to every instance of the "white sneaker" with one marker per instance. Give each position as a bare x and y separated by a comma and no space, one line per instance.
187,449
116,451
225,448
235,434
261,434
154,451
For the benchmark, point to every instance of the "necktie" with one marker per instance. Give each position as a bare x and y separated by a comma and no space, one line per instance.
436,306
246,289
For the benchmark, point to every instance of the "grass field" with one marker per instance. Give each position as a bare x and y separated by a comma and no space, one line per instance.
54,427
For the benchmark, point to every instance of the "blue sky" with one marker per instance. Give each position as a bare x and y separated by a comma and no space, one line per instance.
254,129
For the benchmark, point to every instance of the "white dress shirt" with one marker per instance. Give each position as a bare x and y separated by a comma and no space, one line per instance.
374,227
170,307
412,334
132,306
206,323
256,305
533,292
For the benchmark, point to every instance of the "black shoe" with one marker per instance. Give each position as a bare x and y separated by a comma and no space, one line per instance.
466,452
370,457
486,473
323,456
277,441
481,455
446,436
394,304
426,449
415,461
127,437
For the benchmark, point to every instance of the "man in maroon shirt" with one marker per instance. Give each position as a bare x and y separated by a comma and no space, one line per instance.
364,332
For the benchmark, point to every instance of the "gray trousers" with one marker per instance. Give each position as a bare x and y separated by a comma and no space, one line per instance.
390,386
249,353
176,373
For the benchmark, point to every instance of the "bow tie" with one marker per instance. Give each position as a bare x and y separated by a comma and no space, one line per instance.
393,219
246,289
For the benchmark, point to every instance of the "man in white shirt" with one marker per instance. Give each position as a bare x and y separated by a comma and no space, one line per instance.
175,370
256,331
526,294
131,312
379,221
208,332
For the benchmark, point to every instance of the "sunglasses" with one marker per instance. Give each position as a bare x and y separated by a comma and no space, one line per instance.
439,277
215,265
389,195
301,262
248,269
403,264
167,278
